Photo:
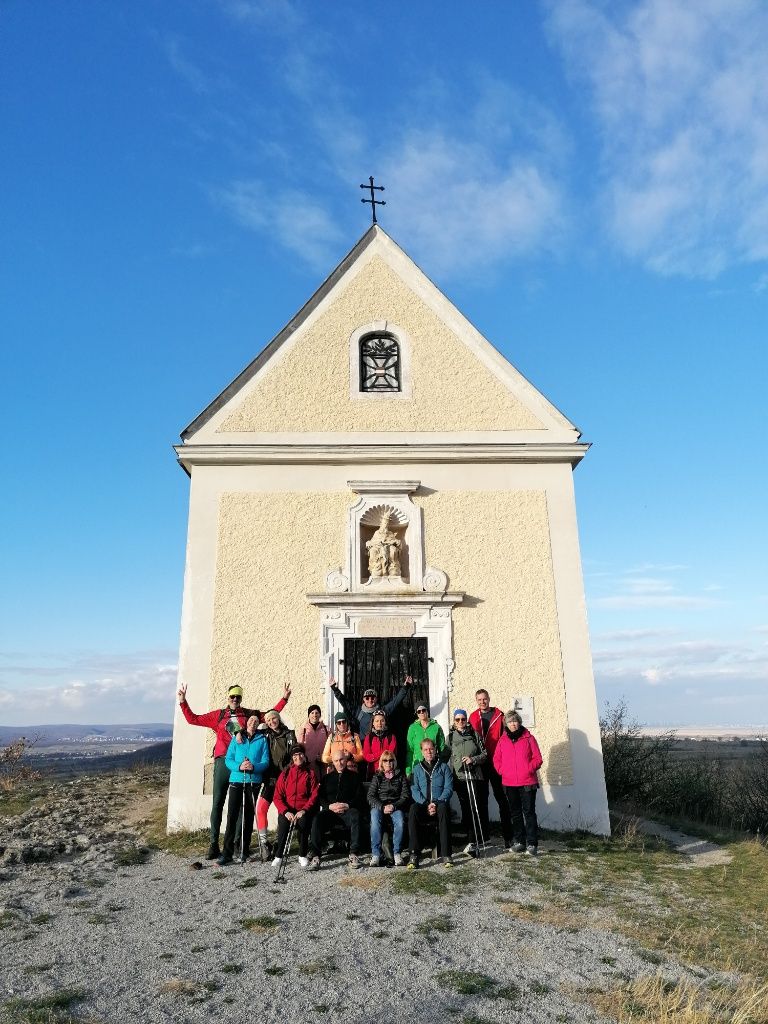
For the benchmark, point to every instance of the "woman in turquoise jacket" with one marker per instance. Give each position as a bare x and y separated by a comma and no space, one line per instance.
247,759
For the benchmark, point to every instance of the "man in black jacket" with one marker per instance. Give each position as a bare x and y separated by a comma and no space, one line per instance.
360,719
340,795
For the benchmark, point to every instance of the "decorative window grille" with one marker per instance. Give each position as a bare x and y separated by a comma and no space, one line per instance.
379,363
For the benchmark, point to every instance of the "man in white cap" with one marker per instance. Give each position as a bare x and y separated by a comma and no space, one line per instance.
219,720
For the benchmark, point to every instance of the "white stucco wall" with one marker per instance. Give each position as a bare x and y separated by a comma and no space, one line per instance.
262,537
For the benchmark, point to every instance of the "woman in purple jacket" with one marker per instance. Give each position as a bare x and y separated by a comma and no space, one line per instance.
517,758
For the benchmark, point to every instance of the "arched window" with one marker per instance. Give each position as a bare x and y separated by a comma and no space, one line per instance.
380,367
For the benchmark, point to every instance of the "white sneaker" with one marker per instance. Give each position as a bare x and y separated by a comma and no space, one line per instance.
375,861
398,860
470,849
276,862
303,862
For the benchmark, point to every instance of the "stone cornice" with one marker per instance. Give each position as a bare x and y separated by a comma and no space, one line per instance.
384,601
339,454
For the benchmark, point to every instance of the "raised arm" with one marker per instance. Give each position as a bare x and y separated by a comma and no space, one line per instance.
399,697
209,720
341,697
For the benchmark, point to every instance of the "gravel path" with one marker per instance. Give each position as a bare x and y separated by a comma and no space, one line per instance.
699,853
159,941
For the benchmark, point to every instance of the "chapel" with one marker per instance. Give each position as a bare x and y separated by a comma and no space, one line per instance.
380,493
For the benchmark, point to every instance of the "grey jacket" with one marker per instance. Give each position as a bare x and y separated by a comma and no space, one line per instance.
466,744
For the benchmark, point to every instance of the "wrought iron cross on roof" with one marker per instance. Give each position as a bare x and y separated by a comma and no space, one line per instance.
373,200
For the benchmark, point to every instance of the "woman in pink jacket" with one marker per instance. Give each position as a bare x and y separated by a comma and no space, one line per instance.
517,758
312,736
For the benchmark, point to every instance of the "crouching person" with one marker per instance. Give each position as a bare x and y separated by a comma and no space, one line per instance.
339,799
388,795
247,759
295,798
431,790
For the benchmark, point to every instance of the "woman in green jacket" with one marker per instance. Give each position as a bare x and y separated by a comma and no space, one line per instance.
424,728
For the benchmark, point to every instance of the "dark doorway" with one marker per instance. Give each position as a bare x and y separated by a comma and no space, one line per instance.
383,663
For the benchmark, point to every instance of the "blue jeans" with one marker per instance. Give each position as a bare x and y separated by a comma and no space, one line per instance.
377,821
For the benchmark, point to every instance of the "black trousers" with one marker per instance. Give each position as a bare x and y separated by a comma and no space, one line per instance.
220,787
501,799
326,819
233,816
419,817
461,789
303,827
522,805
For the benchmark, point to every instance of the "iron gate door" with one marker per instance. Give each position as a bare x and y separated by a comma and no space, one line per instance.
383,663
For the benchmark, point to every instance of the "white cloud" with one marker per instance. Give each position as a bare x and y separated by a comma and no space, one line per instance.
94,687
680,93
462,204
629,601
293,219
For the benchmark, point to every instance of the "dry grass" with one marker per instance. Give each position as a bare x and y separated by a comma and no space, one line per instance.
179,987
550,914
654,998
366,883
265,923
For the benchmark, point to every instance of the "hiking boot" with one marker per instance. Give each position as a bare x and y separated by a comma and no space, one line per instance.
375,862
223,860
445,862
303,862
354,861
398,860
532,851
314,864
516,848
413,863
213,852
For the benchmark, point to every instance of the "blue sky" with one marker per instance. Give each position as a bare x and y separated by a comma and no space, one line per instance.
587,181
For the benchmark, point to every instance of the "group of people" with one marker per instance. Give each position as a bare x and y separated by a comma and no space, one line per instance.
355,778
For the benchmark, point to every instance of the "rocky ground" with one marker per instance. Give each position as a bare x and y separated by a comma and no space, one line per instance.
97,925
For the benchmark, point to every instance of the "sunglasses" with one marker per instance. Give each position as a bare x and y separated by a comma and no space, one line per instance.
235,697
460,718
421,711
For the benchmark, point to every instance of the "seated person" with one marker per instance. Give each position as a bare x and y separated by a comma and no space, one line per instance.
343,739
431,791
247,759
388,795
339,800
296,794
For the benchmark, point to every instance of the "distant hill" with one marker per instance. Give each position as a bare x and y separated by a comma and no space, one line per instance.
55,735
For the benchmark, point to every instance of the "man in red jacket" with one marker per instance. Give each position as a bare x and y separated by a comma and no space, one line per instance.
488,723
219,720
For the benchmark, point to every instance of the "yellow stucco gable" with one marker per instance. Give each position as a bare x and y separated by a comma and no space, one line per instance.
308,387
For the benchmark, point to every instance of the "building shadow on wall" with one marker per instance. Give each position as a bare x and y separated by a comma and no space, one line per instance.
587,779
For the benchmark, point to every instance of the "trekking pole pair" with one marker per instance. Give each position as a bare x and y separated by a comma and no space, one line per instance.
477,824
280,876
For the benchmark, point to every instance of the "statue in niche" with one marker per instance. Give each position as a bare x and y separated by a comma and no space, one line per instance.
384,550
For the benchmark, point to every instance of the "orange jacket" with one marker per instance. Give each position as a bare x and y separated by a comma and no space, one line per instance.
348,741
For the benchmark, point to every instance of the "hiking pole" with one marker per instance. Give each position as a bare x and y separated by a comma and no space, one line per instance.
475,815
242,824
280,876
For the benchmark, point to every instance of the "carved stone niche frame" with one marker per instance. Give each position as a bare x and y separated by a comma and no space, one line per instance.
392,497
